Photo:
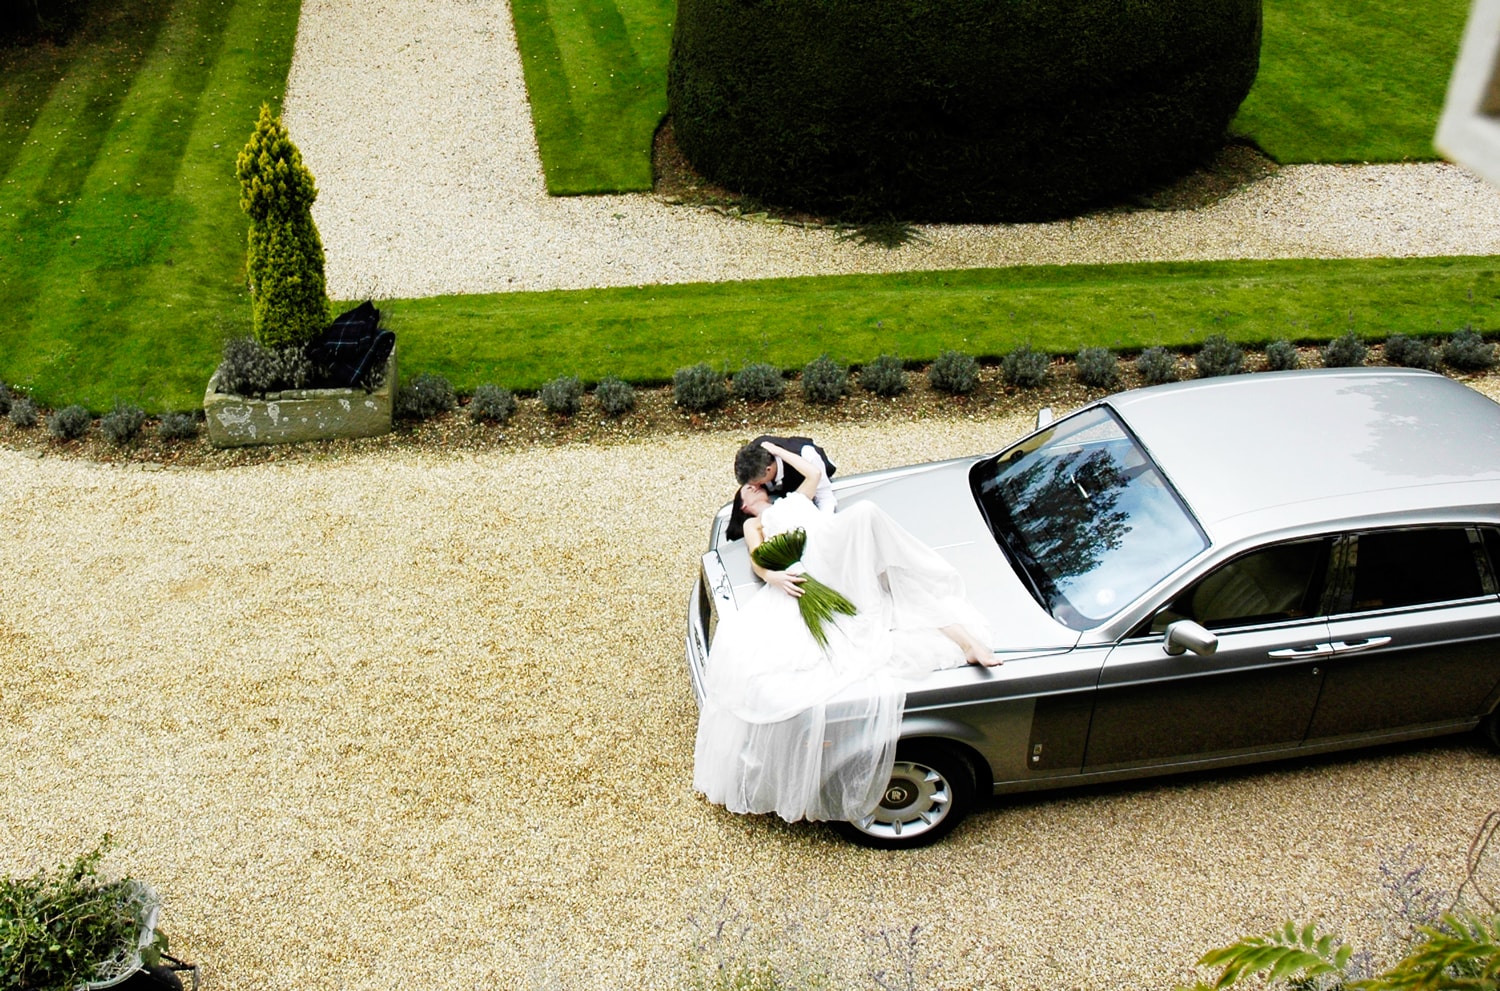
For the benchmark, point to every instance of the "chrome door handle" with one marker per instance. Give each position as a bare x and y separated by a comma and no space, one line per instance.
1303,653
1355,646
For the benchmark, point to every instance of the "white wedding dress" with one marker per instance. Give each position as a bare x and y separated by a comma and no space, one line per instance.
808,733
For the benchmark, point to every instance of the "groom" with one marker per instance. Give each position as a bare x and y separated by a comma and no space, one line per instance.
754,465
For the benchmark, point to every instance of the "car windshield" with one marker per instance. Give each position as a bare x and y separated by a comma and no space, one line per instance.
1085,516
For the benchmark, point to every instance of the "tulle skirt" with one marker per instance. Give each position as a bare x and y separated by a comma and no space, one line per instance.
806,732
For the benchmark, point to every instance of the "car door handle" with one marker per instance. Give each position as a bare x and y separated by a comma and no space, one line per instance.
1355,646
1302,653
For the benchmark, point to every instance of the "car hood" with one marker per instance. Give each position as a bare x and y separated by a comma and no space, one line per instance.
934,502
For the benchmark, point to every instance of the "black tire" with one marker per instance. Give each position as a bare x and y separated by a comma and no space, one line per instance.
932,788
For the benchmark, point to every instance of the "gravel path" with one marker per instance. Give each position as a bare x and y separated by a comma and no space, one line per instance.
423,720
413,117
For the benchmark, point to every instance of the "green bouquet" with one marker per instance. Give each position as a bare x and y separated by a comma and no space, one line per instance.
818,603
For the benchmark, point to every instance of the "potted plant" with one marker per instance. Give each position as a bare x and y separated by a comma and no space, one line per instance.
285,395
70,928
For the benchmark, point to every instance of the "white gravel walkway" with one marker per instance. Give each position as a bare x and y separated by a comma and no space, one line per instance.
413,117
406,720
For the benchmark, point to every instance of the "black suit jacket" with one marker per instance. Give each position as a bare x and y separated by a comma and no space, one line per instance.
790,479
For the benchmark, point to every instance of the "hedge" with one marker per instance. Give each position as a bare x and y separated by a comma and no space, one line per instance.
955,109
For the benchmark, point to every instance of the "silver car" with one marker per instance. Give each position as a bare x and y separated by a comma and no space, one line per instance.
1192,576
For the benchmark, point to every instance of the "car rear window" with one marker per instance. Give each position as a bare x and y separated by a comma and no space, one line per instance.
1410,567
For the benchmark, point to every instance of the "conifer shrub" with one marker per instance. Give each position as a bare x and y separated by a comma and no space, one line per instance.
5,399
1219,356
121,424
23,412
885,376
1411,352
492,404
1282,356
954,372
1097,367
1025,367
1157,366
615,397
955,109
1347,351
69,423
759,383
562,396
177,426
288,297
424,397
1467,351
824,381
698,387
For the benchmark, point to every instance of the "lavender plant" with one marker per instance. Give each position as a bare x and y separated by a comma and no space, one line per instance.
904,970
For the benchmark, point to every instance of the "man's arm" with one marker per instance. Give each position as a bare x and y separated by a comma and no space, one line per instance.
823,497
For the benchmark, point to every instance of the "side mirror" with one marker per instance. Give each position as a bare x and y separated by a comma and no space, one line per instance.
1043,417
1185,635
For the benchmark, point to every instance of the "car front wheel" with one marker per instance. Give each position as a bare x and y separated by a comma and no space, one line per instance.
931,788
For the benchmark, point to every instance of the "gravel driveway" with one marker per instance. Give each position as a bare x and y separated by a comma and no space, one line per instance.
423,720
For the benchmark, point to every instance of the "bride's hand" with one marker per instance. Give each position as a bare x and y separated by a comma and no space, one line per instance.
786,581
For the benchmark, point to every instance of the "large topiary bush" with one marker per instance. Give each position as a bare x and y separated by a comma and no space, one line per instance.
955,109
288,298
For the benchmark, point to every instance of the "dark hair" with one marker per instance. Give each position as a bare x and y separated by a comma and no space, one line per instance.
751,462
737,518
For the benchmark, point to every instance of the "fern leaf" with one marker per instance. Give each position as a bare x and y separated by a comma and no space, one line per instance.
1280,954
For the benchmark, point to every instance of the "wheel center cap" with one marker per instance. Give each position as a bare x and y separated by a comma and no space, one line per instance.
898,794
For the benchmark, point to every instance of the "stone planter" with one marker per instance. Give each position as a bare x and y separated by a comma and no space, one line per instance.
298,415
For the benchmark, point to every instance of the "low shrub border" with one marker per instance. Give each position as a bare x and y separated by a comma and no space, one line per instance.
701,397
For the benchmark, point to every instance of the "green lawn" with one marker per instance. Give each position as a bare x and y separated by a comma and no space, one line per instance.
596,74
1340,81
125,246
1352,80
521,340
124,263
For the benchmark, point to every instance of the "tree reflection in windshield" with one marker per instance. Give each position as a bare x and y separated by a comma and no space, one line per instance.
1087,519
1071,517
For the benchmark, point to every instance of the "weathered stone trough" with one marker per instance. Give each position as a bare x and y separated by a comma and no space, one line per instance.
297,415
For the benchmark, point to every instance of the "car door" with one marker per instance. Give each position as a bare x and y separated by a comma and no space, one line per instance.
1257,691
1415,634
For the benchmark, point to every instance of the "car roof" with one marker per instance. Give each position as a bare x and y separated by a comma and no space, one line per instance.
1257,454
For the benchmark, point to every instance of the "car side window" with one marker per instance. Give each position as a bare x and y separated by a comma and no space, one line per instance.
1273,584
1395,568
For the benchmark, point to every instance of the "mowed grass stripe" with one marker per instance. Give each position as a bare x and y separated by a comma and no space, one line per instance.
143,276
207,301
24,94
42,196
125,215
596,76
1352,80
547,87
521,340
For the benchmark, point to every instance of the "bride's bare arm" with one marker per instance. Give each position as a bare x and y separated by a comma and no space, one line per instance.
788,583
811,471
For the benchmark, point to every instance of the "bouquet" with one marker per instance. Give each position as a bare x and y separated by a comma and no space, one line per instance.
818,603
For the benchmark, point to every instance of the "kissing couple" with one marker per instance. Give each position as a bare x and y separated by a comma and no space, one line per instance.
802,725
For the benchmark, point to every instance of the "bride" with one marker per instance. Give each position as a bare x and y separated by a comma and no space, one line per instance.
808,732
